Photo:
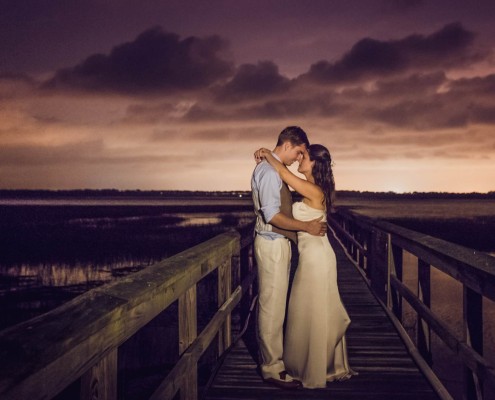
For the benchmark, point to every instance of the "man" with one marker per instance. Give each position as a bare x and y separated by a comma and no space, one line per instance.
274,226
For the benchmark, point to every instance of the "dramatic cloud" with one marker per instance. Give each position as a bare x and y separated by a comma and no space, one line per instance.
253,81
417,84
370,58
431,101
481,86
156,62
402,103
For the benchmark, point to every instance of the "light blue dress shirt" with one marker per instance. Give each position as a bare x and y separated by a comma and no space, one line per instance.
266,185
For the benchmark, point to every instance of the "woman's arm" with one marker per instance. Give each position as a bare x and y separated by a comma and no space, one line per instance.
302,186
314,227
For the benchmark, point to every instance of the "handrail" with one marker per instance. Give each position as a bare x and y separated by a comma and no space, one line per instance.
80,339
382,244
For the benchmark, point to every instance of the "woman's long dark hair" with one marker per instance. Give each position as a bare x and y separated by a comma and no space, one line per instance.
323,174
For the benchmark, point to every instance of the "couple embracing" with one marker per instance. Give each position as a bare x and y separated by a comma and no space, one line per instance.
313,350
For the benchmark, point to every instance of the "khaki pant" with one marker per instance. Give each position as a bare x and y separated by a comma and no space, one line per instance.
273,260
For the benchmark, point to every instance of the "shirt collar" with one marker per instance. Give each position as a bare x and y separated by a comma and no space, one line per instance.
276,156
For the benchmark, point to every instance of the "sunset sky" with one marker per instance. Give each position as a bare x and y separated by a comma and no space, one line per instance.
178,94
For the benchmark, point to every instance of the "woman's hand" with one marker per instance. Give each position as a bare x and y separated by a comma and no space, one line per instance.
260,154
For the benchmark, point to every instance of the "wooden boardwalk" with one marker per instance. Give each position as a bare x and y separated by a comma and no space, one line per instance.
376,351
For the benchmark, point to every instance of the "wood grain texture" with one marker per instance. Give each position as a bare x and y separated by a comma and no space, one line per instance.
42,356
376,351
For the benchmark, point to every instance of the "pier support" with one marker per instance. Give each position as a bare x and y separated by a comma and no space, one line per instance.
473,335
188,331
100,381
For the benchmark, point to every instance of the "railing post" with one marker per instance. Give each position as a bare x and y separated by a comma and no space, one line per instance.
443,256
188,331
354,233
372,259
394,299
390,269
100,381
473,335
424,295
236,281
361,240
224,291
246,268
348,228
378,264
369,248
351,247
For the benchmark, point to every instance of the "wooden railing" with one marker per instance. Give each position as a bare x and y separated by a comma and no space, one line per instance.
80,339
377,247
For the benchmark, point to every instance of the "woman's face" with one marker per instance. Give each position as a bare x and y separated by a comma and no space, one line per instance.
305,164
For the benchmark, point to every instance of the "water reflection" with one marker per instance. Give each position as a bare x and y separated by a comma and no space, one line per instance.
56,253
200,220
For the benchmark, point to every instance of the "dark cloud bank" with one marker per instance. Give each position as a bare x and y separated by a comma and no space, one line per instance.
157,61
369,58
407,74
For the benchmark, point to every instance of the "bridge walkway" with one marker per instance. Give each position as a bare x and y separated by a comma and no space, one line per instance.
376,351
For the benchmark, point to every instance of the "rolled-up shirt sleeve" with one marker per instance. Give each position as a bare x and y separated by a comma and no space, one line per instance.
270,184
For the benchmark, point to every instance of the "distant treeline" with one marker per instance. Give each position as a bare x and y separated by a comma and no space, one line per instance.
82,193
415,195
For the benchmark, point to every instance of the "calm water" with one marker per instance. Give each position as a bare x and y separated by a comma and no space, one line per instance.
72,245
470,223
53,250
423,208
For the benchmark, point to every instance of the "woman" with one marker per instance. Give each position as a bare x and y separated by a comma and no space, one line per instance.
315,349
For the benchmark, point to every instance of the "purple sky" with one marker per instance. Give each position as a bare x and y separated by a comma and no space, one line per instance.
178,94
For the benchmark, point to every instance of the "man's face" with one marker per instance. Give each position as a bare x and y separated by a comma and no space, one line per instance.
293,153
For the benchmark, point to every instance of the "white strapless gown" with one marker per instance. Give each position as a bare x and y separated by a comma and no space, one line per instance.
315,349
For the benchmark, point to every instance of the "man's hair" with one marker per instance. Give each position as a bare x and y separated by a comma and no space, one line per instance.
293,134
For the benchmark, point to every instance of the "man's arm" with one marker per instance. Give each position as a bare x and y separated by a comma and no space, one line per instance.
314,227
269,195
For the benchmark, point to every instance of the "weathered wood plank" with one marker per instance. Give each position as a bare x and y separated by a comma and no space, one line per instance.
60,346
44,355
375,350
472,268
188,324
188,360
188,320
224,290
100,382
472,359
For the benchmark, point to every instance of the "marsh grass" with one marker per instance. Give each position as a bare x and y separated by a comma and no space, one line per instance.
51,254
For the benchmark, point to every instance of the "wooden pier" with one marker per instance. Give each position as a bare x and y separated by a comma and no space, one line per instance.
376,351
77,350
